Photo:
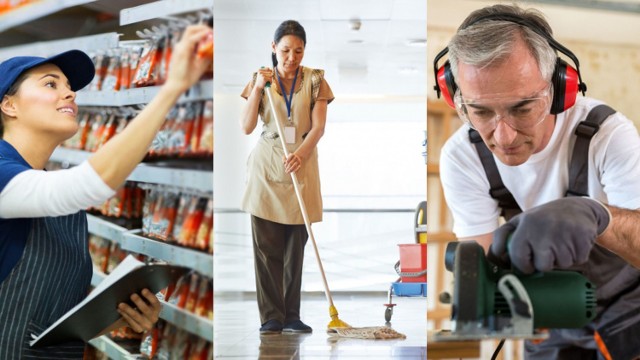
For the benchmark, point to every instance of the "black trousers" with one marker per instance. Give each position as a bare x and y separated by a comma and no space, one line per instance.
278,251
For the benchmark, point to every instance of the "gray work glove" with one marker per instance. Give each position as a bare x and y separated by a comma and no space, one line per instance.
558,234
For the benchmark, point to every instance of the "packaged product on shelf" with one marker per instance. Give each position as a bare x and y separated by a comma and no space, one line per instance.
192,222
151,339
124,79
108,131
181,345
204,303
101,62
116,203
165,344
179,128
79,139
137,202
116,255
205,146
150,203
95,134
202,237
164,57
199,349
181,291
164,217
147,66
135,52
197,282
181,215
99,249
160,143
112,76
194,141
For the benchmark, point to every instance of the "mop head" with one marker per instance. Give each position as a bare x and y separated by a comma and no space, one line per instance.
340,328
374,332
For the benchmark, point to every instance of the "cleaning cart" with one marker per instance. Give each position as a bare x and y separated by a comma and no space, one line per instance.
412,266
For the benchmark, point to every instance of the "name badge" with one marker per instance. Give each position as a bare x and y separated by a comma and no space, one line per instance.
290,134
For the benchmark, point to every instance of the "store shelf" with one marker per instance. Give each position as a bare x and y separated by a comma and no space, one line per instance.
160,9
111,349
87,44
201,91
197,260
185,320
35,10
104,228
200,180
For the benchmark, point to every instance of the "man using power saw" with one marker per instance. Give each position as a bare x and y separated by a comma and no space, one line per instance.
563,170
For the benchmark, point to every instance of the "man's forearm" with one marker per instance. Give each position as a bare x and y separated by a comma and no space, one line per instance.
623,235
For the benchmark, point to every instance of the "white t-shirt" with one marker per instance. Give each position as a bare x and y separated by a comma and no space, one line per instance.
614,171
38,193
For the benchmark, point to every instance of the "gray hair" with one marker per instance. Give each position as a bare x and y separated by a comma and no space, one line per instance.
489,41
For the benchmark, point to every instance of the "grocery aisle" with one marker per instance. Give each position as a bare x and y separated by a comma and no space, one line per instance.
241,339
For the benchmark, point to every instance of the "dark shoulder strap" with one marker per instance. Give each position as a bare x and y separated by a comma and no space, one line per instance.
579,164
498,191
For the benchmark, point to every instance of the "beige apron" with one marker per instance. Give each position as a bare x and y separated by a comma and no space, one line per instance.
269,192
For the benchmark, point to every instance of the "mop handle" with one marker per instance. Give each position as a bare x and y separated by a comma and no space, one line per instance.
303,209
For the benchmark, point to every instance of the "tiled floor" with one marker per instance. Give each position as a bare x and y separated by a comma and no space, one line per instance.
237,337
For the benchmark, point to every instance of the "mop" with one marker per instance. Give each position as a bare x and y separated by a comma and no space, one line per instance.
336,326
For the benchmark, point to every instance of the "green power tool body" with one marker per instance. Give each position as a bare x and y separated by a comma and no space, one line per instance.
490,301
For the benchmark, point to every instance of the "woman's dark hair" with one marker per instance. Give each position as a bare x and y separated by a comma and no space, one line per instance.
289,27
12,91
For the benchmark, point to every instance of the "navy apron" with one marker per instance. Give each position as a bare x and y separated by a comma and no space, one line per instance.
52,276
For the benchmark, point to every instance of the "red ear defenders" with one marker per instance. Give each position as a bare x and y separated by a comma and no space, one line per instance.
566,80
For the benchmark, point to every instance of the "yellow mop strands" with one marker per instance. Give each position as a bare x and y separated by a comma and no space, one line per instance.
373,333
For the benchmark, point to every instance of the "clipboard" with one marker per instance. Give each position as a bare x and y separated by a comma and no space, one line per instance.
98,311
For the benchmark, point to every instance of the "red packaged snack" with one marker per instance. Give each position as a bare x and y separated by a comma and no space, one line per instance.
101,61
144,74
150,202
192,222
112,76
164,57
181,291
156,216
197,127
160,144
199,349
181,128
183,212
137,202
150,340
169,210
97,126
192,295
99,249
204,304
109,130
116,202
206,137
202,236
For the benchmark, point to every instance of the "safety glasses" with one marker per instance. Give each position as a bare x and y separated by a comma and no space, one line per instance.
519,113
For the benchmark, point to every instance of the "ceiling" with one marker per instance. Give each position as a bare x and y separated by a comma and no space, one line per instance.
385,55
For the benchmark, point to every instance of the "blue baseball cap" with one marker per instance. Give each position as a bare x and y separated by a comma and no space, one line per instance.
75,65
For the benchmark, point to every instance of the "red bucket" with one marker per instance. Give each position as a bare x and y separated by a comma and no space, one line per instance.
413,259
